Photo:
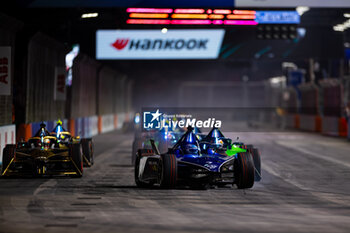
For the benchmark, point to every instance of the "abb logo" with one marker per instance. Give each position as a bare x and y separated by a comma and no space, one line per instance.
120,43
4,70
61,82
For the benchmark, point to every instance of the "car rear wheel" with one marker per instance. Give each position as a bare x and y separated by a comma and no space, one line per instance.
76,154
169,171
244,171
138,156
7,155
257,161
88,151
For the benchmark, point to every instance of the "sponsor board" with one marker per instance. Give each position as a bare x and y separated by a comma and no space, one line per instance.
60,84
5,70
153,44
277,17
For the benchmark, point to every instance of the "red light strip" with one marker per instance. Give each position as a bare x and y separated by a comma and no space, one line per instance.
189,11
244,12
221,11
217,22
240,22
149,10
148,21
183,21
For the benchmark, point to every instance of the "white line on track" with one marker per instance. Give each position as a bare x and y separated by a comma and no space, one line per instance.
313,154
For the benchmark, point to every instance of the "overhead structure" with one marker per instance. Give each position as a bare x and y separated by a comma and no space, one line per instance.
186,3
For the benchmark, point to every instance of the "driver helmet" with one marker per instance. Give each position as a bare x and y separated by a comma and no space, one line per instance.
191,149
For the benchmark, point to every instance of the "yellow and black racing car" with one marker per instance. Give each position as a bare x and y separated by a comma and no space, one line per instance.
43,155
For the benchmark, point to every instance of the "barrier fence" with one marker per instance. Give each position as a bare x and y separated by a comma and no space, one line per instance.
321,109
7,136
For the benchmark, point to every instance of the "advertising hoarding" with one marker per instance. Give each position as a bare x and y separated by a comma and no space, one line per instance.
153,44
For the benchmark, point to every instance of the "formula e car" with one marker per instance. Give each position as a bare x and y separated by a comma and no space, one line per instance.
43,155
185,164
64,138
216,143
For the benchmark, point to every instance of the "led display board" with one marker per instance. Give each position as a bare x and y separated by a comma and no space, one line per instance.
277,17
158,44
215,17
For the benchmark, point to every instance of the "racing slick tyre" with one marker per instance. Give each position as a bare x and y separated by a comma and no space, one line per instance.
168,171
88,151
7,155
75,151
138,156
135,145
244,171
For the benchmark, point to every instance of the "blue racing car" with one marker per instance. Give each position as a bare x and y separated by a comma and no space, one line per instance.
185,164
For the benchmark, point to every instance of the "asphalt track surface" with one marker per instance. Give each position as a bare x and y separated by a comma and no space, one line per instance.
305,188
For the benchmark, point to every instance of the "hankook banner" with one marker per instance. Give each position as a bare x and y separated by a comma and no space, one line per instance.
153,44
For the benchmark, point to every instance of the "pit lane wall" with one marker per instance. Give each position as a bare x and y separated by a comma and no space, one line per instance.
85,127
321,109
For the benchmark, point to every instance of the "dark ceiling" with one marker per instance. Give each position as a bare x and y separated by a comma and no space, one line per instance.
67,26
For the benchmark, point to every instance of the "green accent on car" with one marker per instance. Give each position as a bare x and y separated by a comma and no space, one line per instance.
234,150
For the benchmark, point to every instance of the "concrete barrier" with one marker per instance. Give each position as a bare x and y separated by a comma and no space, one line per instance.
307,122
289,121
84,127
106,123
311,123
330,126
343,127
120,120
7,136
